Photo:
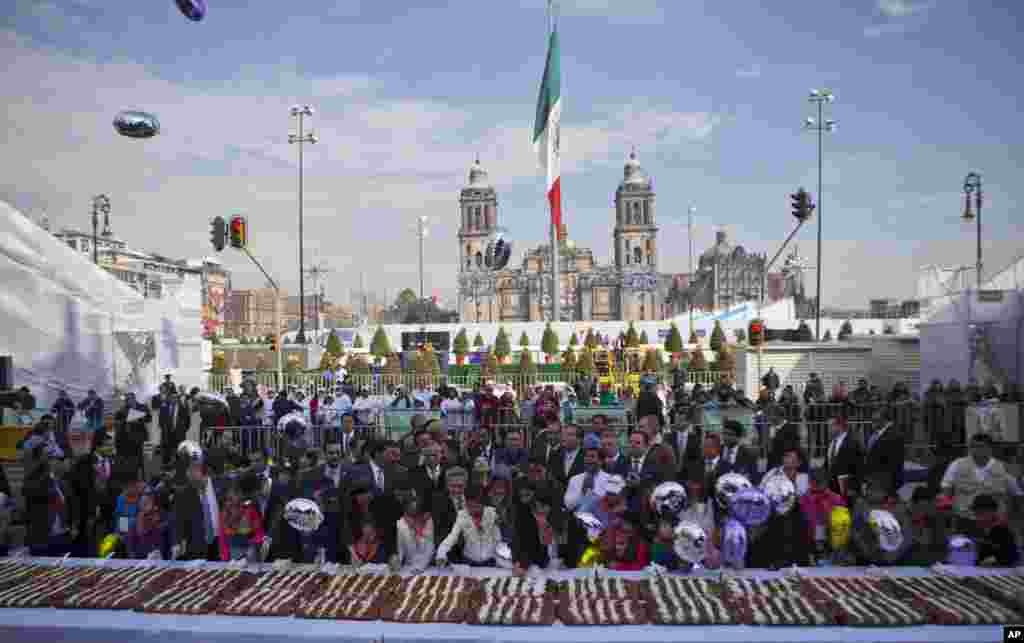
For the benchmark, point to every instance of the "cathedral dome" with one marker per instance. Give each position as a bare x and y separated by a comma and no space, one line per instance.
478,176
633,174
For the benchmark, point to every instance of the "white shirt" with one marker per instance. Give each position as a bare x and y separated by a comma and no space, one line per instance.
802,482
636,465
568,459
837,443
211,499
574,490
333,473
981,474
478,545
378,475
412,551
343,404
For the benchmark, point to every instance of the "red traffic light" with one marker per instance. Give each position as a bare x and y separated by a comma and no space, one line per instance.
239,232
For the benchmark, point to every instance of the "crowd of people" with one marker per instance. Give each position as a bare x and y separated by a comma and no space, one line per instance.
450,495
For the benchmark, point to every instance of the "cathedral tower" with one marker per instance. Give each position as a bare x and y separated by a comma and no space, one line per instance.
635,235
478,226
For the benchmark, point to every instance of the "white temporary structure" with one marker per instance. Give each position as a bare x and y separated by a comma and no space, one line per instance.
69,324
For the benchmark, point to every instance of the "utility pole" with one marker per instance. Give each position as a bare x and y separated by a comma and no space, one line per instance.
299,112
820,126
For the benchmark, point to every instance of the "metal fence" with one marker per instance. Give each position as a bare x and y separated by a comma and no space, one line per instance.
931,430
386,383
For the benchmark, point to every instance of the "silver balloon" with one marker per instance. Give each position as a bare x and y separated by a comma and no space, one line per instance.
781,493
503,553
690,541
727,486
592,524
135,124
191,451
887,528
669,501
293,421
194,10
303,515
962,551
734,544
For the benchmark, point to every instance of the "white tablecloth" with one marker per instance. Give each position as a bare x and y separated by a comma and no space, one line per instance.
101,626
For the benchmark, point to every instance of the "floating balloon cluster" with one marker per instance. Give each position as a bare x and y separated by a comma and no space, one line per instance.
138,124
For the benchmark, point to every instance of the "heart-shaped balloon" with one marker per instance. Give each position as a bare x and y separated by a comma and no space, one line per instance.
734,544
690,541
781,493
887,529
303,515
727,486
669,501
751,507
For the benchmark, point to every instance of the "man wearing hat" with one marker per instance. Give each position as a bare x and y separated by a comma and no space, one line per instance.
739,458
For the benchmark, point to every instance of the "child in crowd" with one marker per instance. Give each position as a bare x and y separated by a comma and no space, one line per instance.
623,549
127,505
996,544
663,551
368,548
866,542
928,538
241,527
816,507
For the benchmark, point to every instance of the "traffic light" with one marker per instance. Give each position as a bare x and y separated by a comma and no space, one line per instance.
802,206
239,233
273,343
755,332
218,233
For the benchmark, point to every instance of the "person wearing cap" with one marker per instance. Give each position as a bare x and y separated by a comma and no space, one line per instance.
48,504
740,458
975,474
586,489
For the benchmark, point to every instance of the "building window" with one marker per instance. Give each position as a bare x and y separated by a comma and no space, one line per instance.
479,260
647,213
638,255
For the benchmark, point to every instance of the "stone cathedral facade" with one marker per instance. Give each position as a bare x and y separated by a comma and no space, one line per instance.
629,288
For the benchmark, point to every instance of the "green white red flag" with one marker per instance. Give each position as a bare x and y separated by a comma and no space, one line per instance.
547,130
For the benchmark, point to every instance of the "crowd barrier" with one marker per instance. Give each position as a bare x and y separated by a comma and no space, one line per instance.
930,430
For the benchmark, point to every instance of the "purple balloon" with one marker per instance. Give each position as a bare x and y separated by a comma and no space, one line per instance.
734,544
750,506
194,10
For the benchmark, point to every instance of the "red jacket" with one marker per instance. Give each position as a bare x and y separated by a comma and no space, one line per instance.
818,506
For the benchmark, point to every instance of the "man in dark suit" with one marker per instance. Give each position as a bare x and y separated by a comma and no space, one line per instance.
174,418
446,504
511,461
384,457
715,466
647,462
429,478
845,459
615,461
131,435
686,441
741,459
567,461
885,451
547,441
196,516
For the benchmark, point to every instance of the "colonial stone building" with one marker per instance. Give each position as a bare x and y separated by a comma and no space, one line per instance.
630,288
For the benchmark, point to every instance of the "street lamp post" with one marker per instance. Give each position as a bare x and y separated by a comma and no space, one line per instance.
689,286
100,204
819,97
299,112
972,186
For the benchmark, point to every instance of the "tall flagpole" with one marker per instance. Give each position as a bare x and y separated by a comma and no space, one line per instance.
556,286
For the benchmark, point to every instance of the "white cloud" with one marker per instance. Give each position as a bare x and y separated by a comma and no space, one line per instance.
903,8
379,163
898,16
620,11
753,71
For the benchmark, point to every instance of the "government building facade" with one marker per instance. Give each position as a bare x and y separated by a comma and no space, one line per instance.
629,288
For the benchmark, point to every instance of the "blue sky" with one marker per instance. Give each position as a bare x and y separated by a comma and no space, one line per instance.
407,93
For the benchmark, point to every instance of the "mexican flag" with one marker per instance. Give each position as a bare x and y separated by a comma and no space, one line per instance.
547,130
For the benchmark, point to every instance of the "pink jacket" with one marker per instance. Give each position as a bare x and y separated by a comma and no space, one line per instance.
817,506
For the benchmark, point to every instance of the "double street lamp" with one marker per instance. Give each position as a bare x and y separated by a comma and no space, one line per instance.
820,125
100,205
972,187
301,137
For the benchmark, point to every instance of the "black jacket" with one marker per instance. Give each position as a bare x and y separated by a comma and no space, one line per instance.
847,462
556,465
526,546
885,455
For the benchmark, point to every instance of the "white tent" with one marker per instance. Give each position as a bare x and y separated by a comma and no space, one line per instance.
69,324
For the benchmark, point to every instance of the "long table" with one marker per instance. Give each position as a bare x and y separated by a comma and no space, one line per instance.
103,626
